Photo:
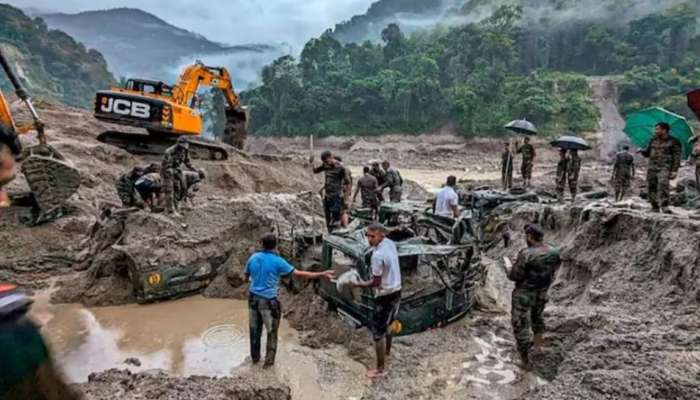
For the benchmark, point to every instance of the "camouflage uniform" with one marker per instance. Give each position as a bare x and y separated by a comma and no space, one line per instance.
572,171
377,172
171,168
337,179
562,168
664,159
533,273
125,187
623,171
528,152
394,183
507,169
368,190
267,313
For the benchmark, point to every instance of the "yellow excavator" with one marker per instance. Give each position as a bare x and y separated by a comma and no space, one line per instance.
167,112
51,178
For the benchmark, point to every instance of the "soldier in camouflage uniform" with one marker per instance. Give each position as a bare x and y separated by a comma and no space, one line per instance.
623,172
573,168
337,179
664,153
125,187
377,172
562,168
528,152
367,185
171,169
533,273
507,167
394,182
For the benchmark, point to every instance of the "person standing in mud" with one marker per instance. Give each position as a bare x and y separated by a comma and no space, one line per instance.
393,181
533,273
377,172
171,169
367,186
386,282
573,169
528,152
664,153
28,372
623,172
507,167
562,168
337,179
264,270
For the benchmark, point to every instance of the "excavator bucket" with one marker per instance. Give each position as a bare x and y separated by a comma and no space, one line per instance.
51,178
235,132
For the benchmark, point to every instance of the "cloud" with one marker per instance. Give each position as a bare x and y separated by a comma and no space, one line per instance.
230,21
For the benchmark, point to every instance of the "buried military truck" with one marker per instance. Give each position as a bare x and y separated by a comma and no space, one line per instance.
439,282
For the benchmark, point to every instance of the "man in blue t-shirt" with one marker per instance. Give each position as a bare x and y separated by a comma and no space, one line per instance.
264,270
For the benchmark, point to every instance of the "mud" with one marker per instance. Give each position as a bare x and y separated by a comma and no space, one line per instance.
623,318
158,385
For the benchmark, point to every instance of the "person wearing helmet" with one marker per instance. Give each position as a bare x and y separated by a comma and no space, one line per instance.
174,158
533,274
28,371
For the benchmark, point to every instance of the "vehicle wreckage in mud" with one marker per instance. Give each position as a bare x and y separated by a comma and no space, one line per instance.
439,282
440,259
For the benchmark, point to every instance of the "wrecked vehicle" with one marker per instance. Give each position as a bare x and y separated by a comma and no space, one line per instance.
439,282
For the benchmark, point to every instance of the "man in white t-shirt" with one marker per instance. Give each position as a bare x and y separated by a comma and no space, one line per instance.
447,201
386,282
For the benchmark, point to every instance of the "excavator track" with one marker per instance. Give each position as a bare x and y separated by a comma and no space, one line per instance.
50,177
154,144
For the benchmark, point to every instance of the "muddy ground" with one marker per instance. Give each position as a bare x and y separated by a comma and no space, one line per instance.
622,318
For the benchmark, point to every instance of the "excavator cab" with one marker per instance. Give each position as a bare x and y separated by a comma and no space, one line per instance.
51,178
148,87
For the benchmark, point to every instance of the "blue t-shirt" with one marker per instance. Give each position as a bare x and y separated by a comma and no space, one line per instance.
265,269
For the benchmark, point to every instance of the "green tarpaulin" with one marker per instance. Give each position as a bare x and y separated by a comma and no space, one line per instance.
640,127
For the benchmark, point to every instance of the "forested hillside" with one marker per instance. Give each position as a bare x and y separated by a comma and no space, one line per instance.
515,63
49,62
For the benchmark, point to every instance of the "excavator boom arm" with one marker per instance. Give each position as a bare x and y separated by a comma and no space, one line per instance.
198,75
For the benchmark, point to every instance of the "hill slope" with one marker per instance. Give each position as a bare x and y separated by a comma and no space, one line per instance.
136,43
50,62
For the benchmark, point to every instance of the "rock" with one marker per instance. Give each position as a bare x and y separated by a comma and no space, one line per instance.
133,361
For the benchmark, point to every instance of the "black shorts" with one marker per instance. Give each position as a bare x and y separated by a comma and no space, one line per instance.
386,308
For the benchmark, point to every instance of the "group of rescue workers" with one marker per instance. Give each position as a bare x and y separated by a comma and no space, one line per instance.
337,193
161,187
27,368
663,152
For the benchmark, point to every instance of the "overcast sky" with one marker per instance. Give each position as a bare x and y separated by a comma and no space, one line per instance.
230,21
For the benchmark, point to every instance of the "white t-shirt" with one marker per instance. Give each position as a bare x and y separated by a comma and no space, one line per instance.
385,263
446,197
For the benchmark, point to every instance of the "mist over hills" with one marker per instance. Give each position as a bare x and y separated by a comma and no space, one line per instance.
139,44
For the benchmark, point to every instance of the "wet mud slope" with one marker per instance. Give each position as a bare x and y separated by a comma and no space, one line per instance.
81,240
624,319
125,385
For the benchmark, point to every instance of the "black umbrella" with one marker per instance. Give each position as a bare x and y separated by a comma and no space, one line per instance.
522,126
570,143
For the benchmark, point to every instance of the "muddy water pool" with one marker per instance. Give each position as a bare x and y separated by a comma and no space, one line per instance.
190,336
